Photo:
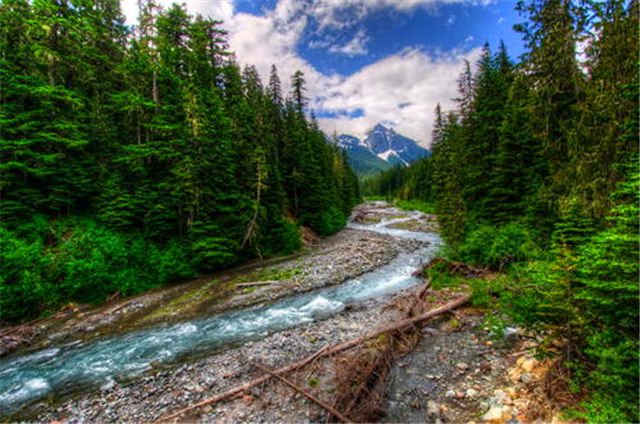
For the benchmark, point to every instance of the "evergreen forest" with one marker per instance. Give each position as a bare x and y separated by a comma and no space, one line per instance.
134,157
534,175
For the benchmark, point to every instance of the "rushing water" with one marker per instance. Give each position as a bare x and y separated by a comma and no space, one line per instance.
67,368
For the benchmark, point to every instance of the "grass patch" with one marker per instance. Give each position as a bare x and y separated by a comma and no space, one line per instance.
415,205
270,274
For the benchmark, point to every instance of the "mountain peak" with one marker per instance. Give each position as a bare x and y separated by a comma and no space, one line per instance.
381,128
381,148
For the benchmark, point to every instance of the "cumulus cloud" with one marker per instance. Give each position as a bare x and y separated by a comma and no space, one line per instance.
355,47
402,89
215,9
331,13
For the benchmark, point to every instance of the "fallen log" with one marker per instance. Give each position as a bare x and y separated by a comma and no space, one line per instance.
369,369
113,297
329,350
257,283
308,395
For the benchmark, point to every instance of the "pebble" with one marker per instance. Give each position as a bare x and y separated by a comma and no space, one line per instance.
471,393
462,366
527,377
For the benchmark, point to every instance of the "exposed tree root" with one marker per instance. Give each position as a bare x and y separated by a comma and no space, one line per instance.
361,375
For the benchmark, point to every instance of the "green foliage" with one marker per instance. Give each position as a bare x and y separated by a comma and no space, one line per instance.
441,277
415,205
160,136
403,183
498,246
79,260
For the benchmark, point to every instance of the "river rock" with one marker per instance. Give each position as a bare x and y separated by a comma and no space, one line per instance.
462,366
497,414
433,410
529,364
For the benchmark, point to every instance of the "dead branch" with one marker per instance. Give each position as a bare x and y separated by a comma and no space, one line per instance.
113,297
118,307
365,258
368,368
257,283
329,350
308,395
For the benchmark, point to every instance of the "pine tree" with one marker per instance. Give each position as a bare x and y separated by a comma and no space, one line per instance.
490,87
612,66
550,35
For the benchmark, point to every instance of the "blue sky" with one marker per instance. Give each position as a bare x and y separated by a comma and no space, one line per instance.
387,31
365,61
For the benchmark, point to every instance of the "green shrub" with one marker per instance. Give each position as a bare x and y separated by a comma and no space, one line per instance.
441,277
498,246
332,220
79,260
283,238
23,282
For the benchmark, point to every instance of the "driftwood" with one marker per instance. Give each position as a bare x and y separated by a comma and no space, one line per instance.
365,258
257,283
118,307
329,350
308,395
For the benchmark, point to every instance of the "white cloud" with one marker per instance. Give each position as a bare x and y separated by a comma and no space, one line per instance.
411,76
215,9
331,13
500,20
355,47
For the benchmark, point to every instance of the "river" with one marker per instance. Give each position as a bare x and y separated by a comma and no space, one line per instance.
63,370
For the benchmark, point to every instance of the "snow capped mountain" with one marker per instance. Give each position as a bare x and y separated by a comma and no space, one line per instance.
381,149
383,140
362,159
